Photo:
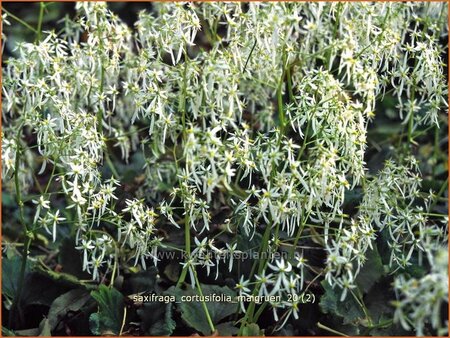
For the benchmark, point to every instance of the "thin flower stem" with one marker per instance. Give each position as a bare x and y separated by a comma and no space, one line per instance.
260,311
433,214
281,112
363,307
19,20
249,56
123,320
15,309
436,146
205,308
50,179
439,194
411,116
410,127
289,84
187,226
100,110
111,165
112,138
297,236
187,241
265,242
182,103
41,18
302,149
249,317
312,281
326,328
249,313
115,266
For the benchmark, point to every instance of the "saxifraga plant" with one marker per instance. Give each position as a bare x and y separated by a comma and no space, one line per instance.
252,115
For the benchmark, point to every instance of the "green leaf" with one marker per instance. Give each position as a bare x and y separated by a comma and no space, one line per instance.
10,275
143,281
44,328
8,333
28,332
378,302
348,309
227,329
387,129
73,300
335,323
110,311
40,289
371,272
172,271
156,319
251,330
193,313
94,324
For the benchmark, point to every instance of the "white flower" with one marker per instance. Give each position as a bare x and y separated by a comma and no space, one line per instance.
42,203
263,281
86,246
53,219
231,253
281,271
243,290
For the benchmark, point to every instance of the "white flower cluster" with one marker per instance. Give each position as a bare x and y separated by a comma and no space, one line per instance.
259,110
394,208
421,301
207,255
284,283
394,204
63,90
